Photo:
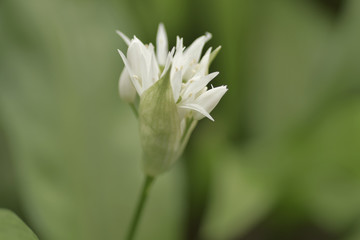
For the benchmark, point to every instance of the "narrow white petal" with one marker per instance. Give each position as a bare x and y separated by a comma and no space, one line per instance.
148,51
145,66
210,99
208,36
124,37
135,57
168,62
147,77
179,53
204,63
126,62
177,62
137,40
145,49
199,110
176,81
161,44
194,50
198,83
191,57
139,57
126,88
155,71
172,52
128,68
152,75
179,44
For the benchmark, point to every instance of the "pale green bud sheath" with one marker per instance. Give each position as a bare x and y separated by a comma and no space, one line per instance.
168,91
160,131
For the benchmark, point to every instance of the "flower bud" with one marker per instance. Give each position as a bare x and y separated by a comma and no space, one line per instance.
173,93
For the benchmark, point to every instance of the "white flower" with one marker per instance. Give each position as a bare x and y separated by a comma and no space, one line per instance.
172,87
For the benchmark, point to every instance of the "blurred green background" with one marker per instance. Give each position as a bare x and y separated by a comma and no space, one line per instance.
281,160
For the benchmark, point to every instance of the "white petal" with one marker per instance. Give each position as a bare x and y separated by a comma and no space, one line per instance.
161,44
210,99
208,36
191,56
124,37
126,88
168,62
179,44
128,68
177,62
204,63
148,51
176,81
198,83
153,74
139,57
135,57
153,63
199,110
148,65
193,52
179,52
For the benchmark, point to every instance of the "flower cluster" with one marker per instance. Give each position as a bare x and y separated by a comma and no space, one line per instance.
169,91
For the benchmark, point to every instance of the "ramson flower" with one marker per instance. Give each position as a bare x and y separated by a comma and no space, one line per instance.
173,94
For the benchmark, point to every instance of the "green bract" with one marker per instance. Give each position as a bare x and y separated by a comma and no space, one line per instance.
160,131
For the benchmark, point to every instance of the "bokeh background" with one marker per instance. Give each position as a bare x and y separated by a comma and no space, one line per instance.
281,160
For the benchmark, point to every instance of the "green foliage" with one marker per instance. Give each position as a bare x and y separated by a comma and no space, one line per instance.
284,145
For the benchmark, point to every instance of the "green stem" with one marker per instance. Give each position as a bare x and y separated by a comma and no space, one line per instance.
140,206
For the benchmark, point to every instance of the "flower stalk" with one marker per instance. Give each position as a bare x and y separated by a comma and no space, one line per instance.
140,207
169,93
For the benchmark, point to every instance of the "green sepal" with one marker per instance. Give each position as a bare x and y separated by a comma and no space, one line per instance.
160,132
213,54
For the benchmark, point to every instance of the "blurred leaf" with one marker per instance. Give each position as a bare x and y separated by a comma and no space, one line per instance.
239,198
294,80
285,134
8,181
331,187
288,53
12,228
